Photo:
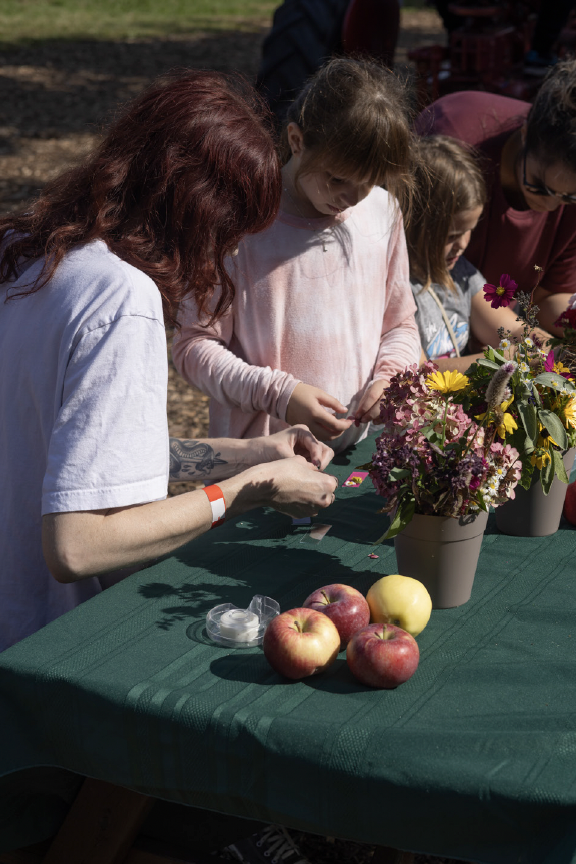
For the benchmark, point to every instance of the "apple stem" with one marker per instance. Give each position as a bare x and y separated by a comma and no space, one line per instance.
298,627
325,596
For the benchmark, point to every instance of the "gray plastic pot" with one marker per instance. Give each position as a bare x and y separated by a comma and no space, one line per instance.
531,513
442,553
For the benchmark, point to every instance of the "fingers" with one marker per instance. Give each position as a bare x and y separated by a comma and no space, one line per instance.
367,413
318,453
330,497
328,427
331,402
369,408
371,414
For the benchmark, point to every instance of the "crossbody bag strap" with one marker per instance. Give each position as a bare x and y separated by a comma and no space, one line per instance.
445,317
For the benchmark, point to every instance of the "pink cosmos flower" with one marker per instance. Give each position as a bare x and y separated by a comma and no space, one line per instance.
567,319
502,294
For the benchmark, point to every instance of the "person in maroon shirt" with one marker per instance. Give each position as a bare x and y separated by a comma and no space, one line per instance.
528,157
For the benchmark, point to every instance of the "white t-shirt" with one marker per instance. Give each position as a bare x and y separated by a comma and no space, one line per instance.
83,421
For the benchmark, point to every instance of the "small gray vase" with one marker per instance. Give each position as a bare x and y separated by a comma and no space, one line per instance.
531,513
442,553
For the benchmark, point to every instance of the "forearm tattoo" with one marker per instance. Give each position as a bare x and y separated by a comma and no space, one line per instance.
191,459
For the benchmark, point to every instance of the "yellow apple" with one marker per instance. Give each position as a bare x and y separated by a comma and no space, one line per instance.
400,600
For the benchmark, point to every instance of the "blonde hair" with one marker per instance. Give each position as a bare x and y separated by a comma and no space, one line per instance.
448,181
355,117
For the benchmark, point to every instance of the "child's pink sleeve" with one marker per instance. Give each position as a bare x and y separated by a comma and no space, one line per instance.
202,356
400,342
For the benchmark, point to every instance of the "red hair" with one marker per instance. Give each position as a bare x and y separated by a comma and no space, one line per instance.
180,178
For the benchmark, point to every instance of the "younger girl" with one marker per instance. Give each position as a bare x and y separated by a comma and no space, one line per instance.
452,311
323,315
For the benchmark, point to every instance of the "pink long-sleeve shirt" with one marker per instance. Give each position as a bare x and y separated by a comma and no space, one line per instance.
338,319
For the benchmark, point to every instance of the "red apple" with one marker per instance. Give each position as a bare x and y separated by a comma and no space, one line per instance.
382,655
570,503
344,605
301,642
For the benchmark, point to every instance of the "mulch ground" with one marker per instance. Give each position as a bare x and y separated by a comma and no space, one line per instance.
56,97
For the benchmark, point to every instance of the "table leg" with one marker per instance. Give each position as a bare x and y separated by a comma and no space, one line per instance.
100,826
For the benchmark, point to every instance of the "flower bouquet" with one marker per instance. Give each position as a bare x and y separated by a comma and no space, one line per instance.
439,468
436,458
536,412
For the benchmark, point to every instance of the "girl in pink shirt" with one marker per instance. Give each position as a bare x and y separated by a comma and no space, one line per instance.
323,314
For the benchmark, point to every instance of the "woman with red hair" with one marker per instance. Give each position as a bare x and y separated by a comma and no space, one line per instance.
90,273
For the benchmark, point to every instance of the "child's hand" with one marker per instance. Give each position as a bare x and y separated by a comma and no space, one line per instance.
312,406
369,408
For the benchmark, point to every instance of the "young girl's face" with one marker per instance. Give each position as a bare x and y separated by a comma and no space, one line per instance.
330,194
462,225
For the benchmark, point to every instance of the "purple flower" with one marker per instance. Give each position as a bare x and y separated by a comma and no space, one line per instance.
549,362
501,295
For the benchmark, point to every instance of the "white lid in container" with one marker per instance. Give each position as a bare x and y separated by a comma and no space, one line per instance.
241,628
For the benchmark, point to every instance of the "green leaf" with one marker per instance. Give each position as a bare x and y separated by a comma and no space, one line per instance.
528,446
526,477
529,419
483,361
398,473
547,476
404,514
555,427
430,434
492,354
555,381
366,467
559,468
480,501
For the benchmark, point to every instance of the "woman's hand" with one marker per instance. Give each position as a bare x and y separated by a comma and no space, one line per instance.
311,406
292,486
296,441
77,545
369,408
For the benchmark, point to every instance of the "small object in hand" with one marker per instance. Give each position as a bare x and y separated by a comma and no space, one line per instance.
305,521
356,478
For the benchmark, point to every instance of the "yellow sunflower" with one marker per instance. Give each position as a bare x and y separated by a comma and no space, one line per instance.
541,455
559,368
446,382
540,460
508,423
570,413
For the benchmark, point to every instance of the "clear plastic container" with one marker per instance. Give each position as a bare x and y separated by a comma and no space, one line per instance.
241,628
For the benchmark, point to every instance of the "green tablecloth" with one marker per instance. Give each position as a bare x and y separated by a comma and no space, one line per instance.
474,757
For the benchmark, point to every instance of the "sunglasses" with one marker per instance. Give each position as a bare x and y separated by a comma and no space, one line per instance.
541,189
